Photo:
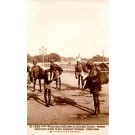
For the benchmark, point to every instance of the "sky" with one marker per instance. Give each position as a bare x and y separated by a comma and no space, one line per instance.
68,27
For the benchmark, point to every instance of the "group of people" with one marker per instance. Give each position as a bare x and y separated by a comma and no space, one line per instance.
54,73
49,75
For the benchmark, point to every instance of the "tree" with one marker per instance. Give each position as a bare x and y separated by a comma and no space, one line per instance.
64,59
84,59
54,56
70,59
29,58
99,58
39,58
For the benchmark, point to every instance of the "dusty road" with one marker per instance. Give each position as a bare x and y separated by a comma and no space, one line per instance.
74,107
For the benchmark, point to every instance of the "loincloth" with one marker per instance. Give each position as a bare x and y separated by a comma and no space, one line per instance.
79,73
48,86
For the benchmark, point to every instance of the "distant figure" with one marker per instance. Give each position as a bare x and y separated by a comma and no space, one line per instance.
79,74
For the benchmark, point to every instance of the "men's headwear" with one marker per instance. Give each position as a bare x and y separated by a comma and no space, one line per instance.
57,63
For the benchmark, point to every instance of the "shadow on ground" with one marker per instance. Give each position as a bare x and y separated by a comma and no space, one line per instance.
35,97
59,101
69,101
69,87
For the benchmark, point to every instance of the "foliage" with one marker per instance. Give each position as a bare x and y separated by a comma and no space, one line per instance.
29,58
99,58
54,56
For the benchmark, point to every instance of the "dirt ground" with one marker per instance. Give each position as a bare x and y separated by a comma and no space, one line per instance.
70,105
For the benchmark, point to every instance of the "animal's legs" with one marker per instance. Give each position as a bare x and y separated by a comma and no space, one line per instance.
40,85
79,81
59,83
34,84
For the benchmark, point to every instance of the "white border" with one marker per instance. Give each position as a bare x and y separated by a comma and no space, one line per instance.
13,114
122,31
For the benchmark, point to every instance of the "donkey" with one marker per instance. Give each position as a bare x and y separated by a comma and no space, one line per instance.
55,73
37,73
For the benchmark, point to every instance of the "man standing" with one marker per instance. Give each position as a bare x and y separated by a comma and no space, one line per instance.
47,88
55,73
79,73
93,82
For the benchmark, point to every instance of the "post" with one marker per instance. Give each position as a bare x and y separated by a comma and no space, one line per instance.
103,54
42,51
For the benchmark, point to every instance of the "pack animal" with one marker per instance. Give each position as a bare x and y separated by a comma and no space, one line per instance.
56,72
37,73
94,81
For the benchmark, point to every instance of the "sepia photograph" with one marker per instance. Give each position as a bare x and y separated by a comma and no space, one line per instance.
67,65
80,67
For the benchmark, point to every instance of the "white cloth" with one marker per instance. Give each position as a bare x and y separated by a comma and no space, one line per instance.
80,73
57,63
47,86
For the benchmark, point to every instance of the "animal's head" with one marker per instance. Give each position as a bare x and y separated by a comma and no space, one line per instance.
88,65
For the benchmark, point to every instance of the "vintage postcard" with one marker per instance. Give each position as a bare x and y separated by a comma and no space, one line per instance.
67,67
